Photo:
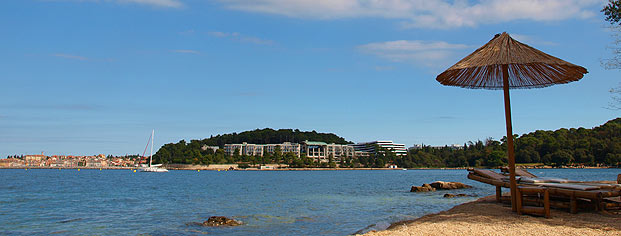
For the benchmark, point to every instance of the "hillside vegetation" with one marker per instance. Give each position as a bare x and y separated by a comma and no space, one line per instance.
576,146
191,153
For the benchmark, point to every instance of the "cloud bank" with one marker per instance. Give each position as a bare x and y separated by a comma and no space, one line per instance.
157,3
153,3
427,53
424,13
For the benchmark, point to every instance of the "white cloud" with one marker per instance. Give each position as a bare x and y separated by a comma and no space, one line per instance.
425,13
186,51
239,37
69,56
157,3
154,3
426,53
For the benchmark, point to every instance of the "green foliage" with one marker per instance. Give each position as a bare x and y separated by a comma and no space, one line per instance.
267,136
613,11
598,146
192,153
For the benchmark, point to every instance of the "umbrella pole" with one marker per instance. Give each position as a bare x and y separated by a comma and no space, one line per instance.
510,151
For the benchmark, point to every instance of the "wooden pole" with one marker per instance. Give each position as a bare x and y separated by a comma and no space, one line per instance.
510,151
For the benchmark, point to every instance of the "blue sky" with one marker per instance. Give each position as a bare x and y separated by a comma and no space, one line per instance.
95,76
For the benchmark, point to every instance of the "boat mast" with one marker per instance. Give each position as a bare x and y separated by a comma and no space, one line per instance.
151,155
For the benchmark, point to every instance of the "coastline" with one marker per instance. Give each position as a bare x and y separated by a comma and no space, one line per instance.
486,217
220,168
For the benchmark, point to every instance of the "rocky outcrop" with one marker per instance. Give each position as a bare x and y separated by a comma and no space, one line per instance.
221,221
424,188
441,185
448,195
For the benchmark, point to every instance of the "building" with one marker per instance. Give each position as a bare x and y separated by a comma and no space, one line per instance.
249,149
231,149
319,151
284,148
322,152
369,147
32,158
11,162
213,148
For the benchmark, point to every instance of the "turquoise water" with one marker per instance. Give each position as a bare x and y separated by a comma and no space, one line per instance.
121,202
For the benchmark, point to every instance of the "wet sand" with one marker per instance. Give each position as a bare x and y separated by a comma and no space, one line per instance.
486,217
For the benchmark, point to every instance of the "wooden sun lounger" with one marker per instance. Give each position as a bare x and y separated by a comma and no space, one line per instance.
592,194
518,172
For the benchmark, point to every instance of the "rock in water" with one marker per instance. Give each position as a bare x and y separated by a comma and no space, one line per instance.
448,185
221,221
448,195
424,188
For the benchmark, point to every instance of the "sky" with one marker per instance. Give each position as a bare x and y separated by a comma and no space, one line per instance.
83,77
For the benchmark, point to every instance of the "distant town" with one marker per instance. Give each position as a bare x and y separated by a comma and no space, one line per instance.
70,161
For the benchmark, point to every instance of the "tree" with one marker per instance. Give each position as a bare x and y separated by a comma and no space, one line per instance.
612,11
561,157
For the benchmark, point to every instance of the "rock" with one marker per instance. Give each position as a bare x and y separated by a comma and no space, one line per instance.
448,195
220,221
424,188
448,185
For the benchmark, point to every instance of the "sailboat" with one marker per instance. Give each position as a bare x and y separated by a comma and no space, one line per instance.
151,167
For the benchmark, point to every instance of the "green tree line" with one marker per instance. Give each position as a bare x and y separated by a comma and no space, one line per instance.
598,146
192,152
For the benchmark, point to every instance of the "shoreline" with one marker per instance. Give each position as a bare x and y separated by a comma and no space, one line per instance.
207,168
485,216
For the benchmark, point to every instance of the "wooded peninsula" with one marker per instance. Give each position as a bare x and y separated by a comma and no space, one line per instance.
600,146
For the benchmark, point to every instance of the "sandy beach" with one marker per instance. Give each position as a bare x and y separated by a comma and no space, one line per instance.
486,217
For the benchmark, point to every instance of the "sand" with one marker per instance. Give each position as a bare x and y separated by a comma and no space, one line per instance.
486,217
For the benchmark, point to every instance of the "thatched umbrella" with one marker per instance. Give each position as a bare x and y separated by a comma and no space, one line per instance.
504,63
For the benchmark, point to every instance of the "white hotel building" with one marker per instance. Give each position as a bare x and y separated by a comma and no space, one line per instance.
250,149
369,147
318,151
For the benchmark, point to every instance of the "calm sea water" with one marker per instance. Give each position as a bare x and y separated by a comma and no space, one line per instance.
121,202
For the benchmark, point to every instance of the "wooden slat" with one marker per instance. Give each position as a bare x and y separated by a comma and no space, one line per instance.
498,194
527,190
488,181
523,172
533,210
488,174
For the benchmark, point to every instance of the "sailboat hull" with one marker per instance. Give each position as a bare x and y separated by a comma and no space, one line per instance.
153,169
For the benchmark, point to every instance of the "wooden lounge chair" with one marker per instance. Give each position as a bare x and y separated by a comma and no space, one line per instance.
563,194
518,172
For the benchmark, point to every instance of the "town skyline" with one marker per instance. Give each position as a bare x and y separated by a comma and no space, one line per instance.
98,76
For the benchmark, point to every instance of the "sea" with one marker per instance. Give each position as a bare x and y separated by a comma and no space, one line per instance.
123,202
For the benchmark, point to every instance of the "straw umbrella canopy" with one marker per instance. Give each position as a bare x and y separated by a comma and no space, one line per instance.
504,63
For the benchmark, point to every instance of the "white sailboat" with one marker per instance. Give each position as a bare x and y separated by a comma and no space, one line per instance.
151,167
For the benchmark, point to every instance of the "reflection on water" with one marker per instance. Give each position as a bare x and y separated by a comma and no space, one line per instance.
113,202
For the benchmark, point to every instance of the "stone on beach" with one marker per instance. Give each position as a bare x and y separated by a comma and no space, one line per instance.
424,188
441,185
221,221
